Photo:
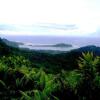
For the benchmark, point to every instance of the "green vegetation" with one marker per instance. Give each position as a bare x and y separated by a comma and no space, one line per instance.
19,79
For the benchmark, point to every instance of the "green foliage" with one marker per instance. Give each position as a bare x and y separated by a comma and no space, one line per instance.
25,96
88,65
3,84
46,83
73,79
88,62
19,80
15,61
25,82
37,95
97,81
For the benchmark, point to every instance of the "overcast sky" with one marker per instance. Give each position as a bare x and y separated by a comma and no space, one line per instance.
50,17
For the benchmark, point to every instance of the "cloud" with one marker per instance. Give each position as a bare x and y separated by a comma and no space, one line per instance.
96,33
48,29
7,27
59,26
34,27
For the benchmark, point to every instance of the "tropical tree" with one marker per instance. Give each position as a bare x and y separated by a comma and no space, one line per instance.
88,65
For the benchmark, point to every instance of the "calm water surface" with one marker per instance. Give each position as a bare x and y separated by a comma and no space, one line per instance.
75,41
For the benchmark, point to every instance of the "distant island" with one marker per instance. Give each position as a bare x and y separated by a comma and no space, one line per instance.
62,45
50,45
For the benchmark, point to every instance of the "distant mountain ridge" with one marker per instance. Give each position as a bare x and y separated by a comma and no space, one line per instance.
10,43
90,48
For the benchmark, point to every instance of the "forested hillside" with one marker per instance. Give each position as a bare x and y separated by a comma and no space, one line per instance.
32,75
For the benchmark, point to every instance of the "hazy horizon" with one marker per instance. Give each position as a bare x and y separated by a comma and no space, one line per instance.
78,41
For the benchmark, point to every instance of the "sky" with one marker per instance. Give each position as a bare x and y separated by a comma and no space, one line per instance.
50,17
